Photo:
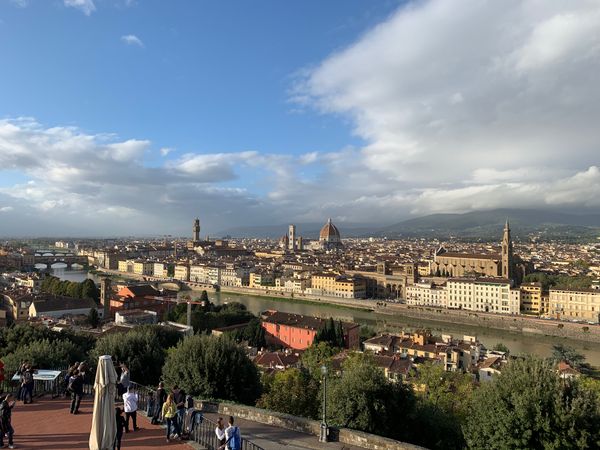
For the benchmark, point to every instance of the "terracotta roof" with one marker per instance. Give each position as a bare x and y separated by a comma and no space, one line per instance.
329,231
55,303
277,359
300,321
470,255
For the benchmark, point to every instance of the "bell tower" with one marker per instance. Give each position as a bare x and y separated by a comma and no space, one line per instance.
196,230
507,253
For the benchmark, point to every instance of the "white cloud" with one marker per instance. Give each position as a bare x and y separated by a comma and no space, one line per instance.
85,6
470,105
6,208
165,151
20,3
132,39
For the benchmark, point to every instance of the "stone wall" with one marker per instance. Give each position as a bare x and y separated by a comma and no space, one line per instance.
303,425
523,324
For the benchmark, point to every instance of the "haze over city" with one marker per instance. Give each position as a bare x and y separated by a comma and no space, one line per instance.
124,117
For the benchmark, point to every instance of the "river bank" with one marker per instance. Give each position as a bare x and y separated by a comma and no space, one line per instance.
518,324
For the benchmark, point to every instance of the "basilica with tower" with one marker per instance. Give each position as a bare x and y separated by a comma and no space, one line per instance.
494,265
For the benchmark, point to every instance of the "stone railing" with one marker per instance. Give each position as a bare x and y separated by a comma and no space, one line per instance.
309,426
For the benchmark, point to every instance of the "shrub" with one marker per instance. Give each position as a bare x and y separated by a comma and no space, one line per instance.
212,368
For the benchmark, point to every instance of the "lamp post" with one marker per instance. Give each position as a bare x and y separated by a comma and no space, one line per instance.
324,428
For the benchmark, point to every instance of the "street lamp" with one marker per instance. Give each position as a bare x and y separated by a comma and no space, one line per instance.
324,428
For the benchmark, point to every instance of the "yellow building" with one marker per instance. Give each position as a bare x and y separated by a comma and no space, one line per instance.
182,272
335,285
126,266
143,267
532,300
580,304
261,279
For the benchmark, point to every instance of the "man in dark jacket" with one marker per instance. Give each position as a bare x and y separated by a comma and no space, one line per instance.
6,407
76,388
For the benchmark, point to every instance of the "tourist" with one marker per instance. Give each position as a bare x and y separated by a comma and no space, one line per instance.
189,411
26,387
29,382
5,421
161,396
20,372
76,389
130,404
120,427
124,380
233,438
179,399
169,413
220,431
150,404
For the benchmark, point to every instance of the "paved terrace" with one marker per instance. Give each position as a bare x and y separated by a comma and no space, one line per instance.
47,424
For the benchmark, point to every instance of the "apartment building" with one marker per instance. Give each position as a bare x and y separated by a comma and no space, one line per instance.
532,299
580,304
427,294
143,267
483,294
334,285
182,272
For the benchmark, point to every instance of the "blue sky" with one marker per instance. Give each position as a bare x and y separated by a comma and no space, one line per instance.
210,77
136,116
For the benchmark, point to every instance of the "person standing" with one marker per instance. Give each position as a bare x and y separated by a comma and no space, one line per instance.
6,428
220,432
169,413
233,437
130,405
120,428
76,389
124,380
161,396
179,399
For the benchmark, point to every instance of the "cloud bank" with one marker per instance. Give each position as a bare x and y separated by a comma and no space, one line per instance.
460,106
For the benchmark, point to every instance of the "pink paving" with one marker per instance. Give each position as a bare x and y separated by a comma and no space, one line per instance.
47,424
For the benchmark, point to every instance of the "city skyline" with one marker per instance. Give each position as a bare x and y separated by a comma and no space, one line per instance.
138,115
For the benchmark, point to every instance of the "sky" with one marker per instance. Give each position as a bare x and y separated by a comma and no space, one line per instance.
132,117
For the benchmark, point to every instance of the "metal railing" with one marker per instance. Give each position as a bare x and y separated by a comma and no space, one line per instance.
203,431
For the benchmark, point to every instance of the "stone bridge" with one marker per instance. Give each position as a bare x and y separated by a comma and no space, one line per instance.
69,260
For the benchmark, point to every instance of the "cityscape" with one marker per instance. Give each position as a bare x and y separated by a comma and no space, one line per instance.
264,226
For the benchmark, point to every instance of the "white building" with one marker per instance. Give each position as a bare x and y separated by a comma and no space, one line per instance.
427,294
483,294
57,307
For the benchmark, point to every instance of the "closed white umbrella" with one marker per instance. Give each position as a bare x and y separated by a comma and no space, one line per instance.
104,424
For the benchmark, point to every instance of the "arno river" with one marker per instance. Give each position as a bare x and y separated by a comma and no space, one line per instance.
516,342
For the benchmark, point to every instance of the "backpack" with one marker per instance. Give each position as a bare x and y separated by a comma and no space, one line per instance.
235,440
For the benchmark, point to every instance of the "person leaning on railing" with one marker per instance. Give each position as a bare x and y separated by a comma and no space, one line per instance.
169,412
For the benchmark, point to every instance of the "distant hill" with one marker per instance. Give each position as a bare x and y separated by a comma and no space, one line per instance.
488,224
477,225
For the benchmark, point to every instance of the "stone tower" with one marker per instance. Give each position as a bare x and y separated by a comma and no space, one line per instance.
196,230
507,253
292,237
105,296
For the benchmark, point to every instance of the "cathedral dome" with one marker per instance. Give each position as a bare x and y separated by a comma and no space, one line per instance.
329,233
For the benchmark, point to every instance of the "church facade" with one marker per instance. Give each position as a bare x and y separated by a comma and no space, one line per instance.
495,265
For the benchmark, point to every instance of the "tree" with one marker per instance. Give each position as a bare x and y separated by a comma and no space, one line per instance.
364,399
317,355
204,296
332,333
143,349
443,400
93,318
213,368
90,290
530,406
562,352
501,347
44,354
292,391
